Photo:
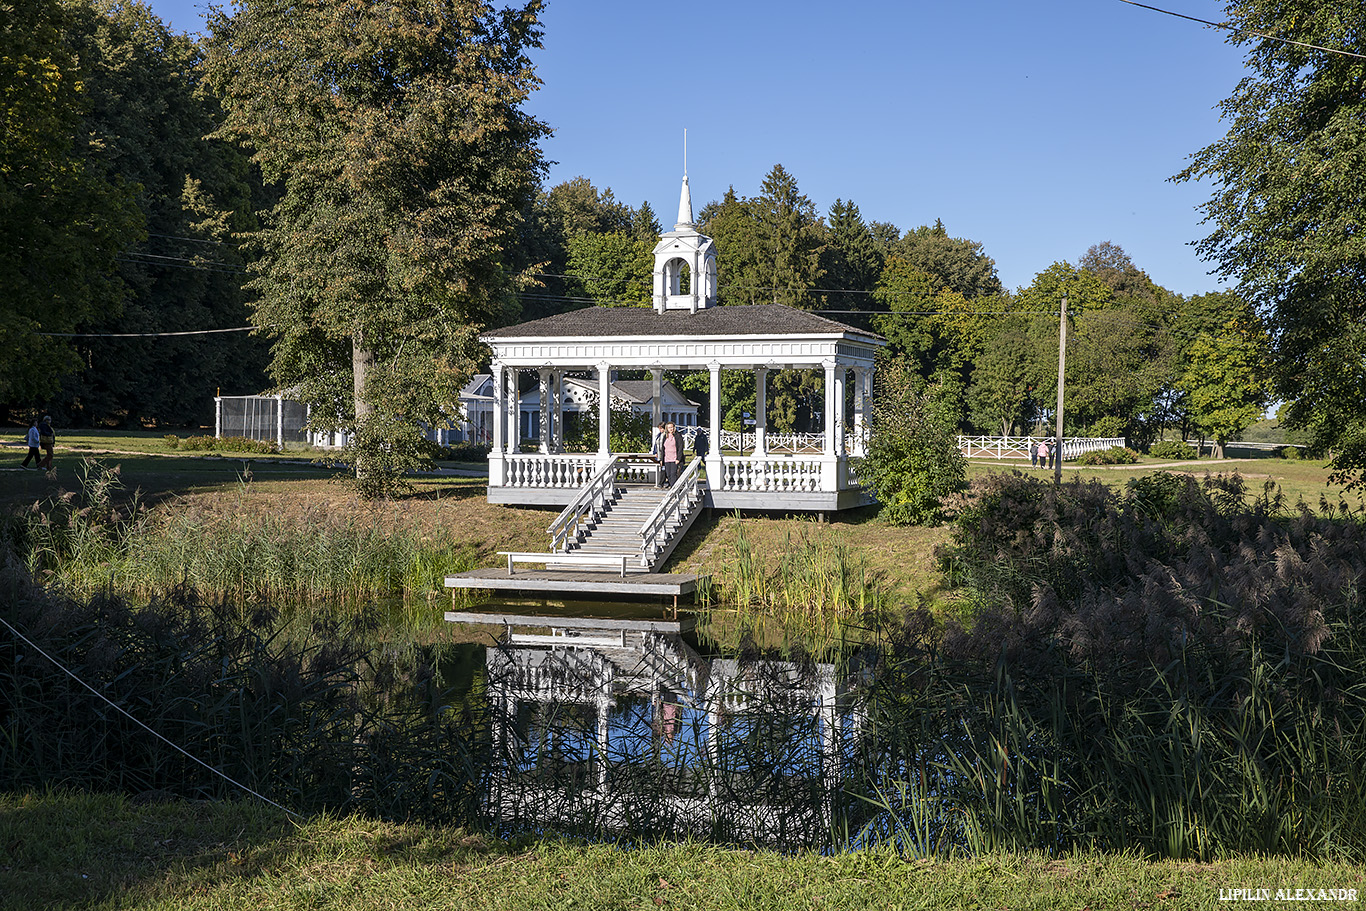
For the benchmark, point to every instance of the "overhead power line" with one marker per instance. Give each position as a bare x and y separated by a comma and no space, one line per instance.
1247,31
142,334
193,240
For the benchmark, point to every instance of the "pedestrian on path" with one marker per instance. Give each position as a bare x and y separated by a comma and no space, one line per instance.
33,446
1033,456
1042,453
48,440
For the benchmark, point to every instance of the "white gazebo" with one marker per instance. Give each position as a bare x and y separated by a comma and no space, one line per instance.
685,330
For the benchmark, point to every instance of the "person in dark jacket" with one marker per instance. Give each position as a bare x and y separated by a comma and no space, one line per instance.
48,440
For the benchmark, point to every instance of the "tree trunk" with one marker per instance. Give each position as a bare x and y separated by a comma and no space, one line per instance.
361,359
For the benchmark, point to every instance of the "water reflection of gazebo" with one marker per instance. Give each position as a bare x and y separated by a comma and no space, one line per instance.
684,331
622,725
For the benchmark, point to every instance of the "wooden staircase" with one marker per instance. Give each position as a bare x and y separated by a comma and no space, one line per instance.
616,529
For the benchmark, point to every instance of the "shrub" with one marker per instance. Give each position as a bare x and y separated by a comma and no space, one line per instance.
1115,455
242,444
205,443
1173,449
1188,660
913,462
172,440
464,452
1290,452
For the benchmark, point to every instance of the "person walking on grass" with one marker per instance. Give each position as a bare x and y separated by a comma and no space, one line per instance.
1043,453
33,446
48,439
671,447
1033,456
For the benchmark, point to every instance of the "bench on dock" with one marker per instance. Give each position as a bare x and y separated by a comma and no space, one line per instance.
612,561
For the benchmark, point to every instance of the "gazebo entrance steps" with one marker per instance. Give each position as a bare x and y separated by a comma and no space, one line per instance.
617,529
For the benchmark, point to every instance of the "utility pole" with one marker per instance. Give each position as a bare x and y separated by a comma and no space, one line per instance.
1062,366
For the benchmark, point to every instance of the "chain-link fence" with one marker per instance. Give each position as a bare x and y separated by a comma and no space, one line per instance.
269,418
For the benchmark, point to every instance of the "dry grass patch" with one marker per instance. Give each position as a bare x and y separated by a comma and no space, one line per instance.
457,509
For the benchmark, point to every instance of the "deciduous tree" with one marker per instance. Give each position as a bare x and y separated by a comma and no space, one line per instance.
913,460
1288,206
955,263
62,222
397,138
148,121
1227,381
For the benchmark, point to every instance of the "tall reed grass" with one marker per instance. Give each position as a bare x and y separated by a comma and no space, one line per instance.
89,542
812,586
1174,668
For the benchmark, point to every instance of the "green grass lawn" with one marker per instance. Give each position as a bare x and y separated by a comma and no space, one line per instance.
97,852
1305,479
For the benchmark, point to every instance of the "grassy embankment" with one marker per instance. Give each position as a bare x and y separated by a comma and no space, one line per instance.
262,524
104,852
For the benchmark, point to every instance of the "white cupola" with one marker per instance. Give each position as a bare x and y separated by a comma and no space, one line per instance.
685,264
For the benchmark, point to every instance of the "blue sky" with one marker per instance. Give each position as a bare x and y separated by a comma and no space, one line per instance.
1037,129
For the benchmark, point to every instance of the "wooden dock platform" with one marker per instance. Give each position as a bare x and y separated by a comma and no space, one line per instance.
676,626
578,583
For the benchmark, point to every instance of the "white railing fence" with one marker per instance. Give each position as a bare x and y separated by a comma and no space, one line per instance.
794,443
1019,447
584,508
677,507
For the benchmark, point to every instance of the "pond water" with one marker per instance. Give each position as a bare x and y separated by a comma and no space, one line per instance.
620,719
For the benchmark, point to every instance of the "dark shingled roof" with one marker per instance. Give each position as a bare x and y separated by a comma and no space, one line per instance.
739,319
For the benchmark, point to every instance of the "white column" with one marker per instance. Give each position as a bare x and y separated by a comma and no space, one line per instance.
559,411
761,411
829,459
829,442
604,410
841,377
859,428
544,409
499,417
714,469
280,421
514,410
218,417
657,400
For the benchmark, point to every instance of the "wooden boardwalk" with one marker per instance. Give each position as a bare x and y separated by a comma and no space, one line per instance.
676,626
577,582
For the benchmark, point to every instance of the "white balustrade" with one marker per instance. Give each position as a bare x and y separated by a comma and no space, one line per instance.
771,473
539,470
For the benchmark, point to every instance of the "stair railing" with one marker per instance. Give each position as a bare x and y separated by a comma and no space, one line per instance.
678,504
587,506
